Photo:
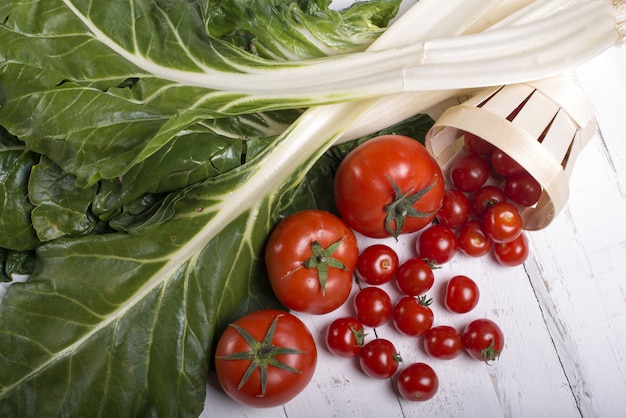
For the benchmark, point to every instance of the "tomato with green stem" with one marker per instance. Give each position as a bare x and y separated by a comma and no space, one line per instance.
310,258
483,340
265,358
413,316
387,186
484,197
379,359
417,382
345,337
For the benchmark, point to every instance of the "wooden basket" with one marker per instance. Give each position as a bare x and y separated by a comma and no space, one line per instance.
543,125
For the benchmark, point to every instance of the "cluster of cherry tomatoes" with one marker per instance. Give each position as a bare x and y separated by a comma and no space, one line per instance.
387,186
412,315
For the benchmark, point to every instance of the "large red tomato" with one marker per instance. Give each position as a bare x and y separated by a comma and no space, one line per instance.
310,258
265,358
387,186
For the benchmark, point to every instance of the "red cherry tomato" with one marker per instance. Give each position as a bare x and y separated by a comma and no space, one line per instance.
462,294
477,145
345,337
310,258
502,222
522,189
413,316
379,359
512,253
377,264
415,277
469,173
373,306
417,382
279,336
473,241
455,209
437,243
443,342
388,185
484,197
505,165
483,340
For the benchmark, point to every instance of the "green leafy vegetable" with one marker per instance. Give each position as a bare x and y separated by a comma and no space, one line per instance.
154,215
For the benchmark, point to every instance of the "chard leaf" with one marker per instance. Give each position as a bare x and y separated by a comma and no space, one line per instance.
16,162
61,208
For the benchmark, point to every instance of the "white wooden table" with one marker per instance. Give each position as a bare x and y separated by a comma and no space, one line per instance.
563,312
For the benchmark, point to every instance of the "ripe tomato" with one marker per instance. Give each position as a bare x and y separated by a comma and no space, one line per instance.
278,349
379,359
473,241
522,189
469,173
413,316
415,277
483,339
345,337
502,222
505,165
387,186
377,264
455,209
484,197
310,258
373,306
417,382
443,342
462,294
437,243
477,145
512,253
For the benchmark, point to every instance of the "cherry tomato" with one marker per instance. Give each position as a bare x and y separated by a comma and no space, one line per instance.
502,222
387,186
415,277
379,359
462,294
455,209
505,165
443,342
477,145
469,173
261,340
472,239
484,197
437,243
417,382
512,253
413,316
310,258
483,339
345,337
522,189
377,264
373,306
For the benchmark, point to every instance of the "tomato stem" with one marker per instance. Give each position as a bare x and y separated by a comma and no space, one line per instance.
261,355
322,259
402,207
